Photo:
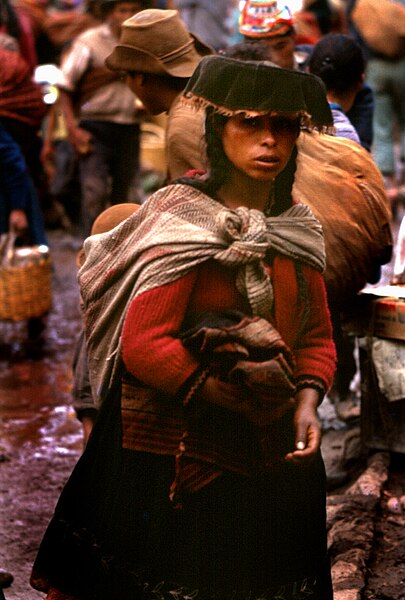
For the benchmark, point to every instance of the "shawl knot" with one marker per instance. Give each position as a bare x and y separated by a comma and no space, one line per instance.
245,232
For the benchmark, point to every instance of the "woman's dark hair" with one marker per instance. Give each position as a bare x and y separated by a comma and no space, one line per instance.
338,60
220,166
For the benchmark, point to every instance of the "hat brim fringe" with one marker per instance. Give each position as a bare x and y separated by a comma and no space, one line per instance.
198,103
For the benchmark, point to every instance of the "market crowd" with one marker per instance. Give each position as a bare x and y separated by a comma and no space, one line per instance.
212,315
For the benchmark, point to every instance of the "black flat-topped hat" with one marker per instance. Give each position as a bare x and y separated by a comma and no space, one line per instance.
233,86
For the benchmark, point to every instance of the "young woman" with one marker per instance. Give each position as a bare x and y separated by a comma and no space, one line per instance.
209,344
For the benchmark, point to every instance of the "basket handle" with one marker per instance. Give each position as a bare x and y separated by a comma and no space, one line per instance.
7,246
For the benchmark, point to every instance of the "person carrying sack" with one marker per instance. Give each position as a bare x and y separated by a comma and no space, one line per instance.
379,26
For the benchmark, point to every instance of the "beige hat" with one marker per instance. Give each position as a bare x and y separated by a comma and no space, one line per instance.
157,41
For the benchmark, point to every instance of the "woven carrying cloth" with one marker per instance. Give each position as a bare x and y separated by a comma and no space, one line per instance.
176,230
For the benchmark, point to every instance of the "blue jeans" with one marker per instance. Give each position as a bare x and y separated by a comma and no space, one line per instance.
387,80
108,174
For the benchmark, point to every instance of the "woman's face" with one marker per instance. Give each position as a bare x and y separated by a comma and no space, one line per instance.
260,147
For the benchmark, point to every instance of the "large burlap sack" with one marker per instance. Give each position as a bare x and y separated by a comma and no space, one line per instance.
381,23
340,182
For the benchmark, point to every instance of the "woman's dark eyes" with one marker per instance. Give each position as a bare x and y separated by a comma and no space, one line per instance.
276,123
252,122
282,124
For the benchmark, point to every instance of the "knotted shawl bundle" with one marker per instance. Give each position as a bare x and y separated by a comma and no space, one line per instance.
176,230
242,350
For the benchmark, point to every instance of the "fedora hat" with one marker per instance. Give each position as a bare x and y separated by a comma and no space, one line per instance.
157,41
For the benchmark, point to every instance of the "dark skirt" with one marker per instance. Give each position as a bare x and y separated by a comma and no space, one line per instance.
116,535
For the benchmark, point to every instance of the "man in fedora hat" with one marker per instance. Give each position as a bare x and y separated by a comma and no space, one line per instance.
158,55
101,114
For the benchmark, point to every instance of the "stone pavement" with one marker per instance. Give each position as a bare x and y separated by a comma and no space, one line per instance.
351,517
351,511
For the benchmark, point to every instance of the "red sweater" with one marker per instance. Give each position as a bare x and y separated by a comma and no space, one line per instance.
153,417
153,353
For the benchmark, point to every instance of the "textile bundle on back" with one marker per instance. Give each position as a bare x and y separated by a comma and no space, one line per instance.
340,182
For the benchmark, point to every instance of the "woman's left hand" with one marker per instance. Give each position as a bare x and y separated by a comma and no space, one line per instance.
307,427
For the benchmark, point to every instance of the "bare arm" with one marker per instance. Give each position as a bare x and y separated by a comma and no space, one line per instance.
79,138
307,427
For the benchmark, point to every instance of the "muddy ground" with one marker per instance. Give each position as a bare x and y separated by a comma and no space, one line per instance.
40,441
386,569
40,437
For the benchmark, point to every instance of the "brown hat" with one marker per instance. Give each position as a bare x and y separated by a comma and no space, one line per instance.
157,41
107,220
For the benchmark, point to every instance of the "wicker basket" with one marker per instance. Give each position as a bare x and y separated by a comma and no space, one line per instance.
25,282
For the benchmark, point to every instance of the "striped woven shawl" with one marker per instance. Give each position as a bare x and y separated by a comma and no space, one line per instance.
177,229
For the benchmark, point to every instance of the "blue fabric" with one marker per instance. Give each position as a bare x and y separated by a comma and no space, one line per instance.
17,189
361,115
343,126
